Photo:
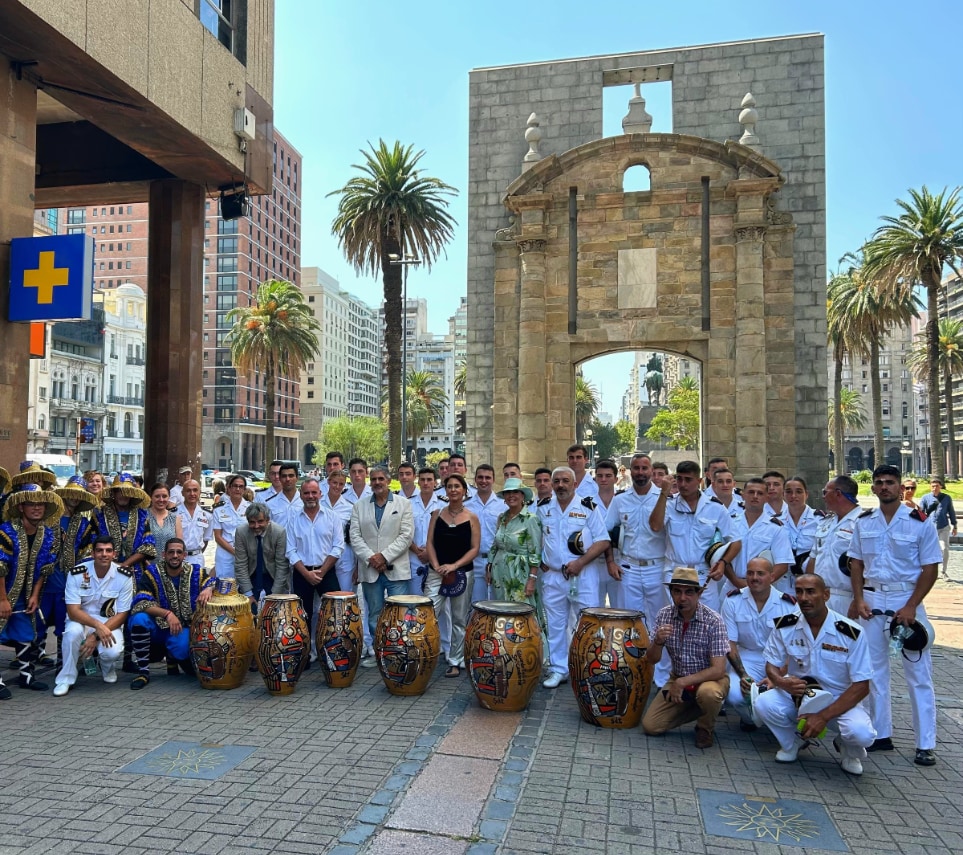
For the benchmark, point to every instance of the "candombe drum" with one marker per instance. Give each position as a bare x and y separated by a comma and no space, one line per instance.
407,644
283,642
340,638
503,653
222,637
610,674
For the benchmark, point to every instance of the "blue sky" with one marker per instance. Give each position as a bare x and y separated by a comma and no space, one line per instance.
347,73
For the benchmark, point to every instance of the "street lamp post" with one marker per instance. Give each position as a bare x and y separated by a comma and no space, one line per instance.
394,258
590,443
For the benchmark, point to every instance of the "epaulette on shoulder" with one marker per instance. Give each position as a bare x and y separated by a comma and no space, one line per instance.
865,514
544,501
619,492
742,505
270,498
125,571
850,630
775,520
916,515
789,598
589,502
716,499
784,621
345,490
78,569
735,592
819,513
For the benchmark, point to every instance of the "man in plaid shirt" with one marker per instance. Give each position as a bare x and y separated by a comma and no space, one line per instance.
697,643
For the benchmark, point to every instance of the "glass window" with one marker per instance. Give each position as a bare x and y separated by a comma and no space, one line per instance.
227,282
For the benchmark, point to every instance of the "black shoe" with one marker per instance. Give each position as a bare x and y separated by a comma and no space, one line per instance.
5,693
748,726
46,661
925,757
32,683
884,744
187,666
130,668
172,669
139,681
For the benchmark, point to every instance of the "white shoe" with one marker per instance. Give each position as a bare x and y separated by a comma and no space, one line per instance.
851,765
110,675
61,689
850,757
553,681
783,756
369,662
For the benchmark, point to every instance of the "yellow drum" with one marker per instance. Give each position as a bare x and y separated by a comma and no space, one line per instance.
503,654
407,644
340,638
284,642
610,674
222,637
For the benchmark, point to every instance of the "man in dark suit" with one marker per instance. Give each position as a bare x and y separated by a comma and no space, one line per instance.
260,565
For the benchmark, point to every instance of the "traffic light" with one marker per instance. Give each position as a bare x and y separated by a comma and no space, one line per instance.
461,418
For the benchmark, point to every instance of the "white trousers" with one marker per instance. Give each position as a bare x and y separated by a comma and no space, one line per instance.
918,674
74,635
755,664
480,589
611,589
562,614
778,712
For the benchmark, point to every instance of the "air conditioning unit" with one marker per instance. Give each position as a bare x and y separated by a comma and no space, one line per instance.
244,123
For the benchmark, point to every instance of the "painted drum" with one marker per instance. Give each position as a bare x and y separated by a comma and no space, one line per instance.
503,654
340,638
283,642
610,674
222,637
407,644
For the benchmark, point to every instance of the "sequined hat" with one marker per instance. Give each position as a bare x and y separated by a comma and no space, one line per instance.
32,473
76,488
33,494
125,484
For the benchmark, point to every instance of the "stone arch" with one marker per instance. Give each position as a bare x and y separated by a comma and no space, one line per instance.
855,459
641,285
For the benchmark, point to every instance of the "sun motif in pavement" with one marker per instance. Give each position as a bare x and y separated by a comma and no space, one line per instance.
769,822
186,761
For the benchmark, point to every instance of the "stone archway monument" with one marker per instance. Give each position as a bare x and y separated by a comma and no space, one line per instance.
722,259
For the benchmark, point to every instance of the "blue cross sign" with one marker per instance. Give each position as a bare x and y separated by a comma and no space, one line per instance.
51,278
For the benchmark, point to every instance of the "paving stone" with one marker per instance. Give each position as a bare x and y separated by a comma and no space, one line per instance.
391,842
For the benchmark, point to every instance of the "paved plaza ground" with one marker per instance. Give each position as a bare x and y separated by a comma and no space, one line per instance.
357,770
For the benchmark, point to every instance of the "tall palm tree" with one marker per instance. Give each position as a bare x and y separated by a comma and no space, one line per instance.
851,408
390,209
461,380
276,335
587,404
839,330
913,249
426,403
950,366
870,312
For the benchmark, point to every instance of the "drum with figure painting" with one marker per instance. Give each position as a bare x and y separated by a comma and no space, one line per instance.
610,674
407,644
222,637
503,654
283,642
340,638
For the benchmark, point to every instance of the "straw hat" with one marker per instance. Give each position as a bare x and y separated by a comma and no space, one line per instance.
77,489
516,485
31,473
33,494
125,484
685,576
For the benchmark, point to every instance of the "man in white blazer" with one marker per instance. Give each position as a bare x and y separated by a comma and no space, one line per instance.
382,527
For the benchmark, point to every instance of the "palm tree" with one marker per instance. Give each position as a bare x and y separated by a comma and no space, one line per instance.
426,403
853,417
838,330
388,212
587,403
913,249
276,335
870,311
461,380
950,365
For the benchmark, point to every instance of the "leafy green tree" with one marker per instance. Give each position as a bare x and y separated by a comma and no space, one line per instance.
388,212
951,365
913,249
606,440
276,335
628,433
587,403
353,436
435,458
678,423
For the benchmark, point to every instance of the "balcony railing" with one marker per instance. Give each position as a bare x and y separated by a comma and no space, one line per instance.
126,401
136,360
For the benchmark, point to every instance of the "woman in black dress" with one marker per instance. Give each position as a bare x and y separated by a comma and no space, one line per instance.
454,535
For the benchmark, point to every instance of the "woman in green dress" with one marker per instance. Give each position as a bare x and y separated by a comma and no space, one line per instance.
516,552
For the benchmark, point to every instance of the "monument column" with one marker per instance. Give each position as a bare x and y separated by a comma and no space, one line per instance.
531,356
18,141
751,440
175,306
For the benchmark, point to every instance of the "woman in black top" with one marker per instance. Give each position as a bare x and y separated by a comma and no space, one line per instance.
454,535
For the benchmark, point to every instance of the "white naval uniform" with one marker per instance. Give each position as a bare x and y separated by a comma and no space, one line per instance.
893,556
837,657
610,589
421,512
101,599
749,629
557,525
488,514
352,498
587,488
176,496
766,533
283,510
344,566
831,541
197,532
641,556
688,534
226,520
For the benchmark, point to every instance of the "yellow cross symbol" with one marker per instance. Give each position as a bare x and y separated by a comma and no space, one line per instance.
45,278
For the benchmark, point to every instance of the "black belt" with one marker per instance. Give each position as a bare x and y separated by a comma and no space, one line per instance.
313,566
195,551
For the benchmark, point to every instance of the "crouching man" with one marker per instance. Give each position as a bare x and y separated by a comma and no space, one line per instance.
167,595
98,596
817,647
